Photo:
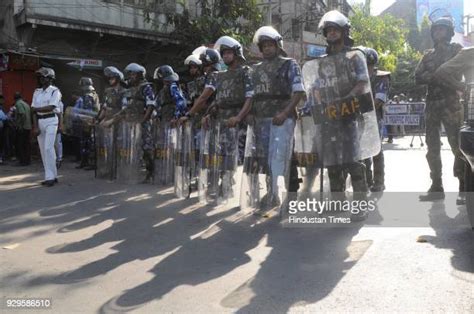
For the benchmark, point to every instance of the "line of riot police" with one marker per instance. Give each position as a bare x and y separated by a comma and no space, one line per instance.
172,140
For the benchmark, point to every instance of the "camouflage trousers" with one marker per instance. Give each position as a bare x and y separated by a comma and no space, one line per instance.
147,146
86,144
337,177
376,177
450,113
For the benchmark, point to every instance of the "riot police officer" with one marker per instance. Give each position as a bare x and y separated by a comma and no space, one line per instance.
342,108
380,84
233,90
442,106
106,137
194,89
210,59
171,105
195,86
135,138
90,106
278,88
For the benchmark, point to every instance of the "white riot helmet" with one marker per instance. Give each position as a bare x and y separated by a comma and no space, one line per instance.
229,43
112,71
46,72
208,57
135,68
265,33
193,60
335,18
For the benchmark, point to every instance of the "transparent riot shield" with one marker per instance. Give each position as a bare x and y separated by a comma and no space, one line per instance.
339,93
305,154
196,149
218,164
165,147
78,121
105,152
266,168
184,158
129,152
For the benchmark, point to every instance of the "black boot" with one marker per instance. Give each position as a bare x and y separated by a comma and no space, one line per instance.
436,192
461,199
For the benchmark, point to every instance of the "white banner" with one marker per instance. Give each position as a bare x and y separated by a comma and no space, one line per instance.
86,63
402,119
396,109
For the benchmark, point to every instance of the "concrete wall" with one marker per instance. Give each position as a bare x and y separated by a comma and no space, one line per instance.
98,14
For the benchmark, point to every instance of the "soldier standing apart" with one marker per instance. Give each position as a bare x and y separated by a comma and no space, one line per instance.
278,89
45,104
442,106
380,83
448,73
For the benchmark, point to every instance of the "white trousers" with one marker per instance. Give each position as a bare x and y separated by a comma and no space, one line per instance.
58,145
48,129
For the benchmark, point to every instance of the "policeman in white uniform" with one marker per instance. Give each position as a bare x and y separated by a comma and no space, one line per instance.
45,107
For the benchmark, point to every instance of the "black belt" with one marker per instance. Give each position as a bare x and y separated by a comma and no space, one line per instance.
46,116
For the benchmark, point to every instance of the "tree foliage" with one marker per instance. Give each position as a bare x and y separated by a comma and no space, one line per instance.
385,34
215,18
389,36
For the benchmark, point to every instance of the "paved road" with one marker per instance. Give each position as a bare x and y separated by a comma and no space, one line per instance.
95,246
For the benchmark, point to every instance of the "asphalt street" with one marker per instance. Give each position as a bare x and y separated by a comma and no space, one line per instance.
92,246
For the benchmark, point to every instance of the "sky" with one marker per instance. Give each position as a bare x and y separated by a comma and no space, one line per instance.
378,6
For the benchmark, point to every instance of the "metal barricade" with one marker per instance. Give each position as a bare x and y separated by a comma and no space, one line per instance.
405,118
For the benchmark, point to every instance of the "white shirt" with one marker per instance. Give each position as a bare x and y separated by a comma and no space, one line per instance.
51,96
61,108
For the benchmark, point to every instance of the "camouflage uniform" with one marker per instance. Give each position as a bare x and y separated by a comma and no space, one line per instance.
141,97
351,71
380,86
90,102
106,152
232,88
275,81
442,106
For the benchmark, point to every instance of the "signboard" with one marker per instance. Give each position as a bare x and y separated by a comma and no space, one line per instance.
86,63
315,50
402,119
396,109
438,8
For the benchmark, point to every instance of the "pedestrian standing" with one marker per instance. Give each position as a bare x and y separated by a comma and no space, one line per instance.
23,130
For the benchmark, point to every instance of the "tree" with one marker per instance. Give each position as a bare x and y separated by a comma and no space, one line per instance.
389,37
236,18
384,33
403,79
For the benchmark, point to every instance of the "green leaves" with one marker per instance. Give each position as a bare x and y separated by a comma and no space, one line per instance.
236,18
388,36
